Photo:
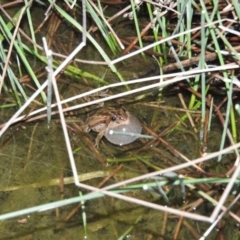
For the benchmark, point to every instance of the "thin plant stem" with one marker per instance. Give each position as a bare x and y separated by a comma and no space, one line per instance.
225,127
203,77
136,24
50,77
30,24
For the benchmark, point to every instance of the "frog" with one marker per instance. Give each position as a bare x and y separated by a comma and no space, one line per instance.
104,118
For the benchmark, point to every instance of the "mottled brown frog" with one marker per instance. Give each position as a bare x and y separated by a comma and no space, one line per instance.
104,119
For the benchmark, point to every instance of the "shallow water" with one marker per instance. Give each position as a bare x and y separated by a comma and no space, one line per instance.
37,154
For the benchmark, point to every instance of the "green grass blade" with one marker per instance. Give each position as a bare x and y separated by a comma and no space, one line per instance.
22,56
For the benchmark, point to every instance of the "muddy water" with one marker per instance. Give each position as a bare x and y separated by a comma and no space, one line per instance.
34,154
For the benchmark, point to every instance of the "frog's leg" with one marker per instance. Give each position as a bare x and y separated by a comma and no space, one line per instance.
99,137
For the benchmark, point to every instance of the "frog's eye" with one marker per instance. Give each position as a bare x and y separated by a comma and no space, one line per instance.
113,118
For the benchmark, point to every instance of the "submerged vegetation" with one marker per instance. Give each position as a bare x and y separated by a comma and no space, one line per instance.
173,65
